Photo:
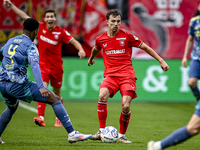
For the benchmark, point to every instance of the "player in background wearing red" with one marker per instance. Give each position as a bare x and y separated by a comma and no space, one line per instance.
119,73
50,39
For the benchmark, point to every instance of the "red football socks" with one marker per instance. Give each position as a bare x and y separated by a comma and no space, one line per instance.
102,113
41,108
124,121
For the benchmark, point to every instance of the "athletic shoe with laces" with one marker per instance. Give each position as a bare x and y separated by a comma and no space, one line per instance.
1,142
78,137
39,121
57,123
96,136
123,139
150,146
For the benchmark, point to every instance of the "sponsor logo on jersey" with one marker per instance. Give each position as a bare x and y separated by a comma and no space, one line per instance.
120,38
120,51
105,45
48,40
132,87
68,33
56,32
136,38
196,28
44,31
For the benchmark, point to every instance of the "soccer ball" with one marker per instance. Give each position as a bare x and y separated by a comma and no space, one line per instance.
109,134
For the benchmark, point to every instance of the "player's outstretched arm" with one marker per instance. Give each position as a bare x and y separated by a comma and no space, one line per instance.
93,54
77,45
151,52
188,47
16,10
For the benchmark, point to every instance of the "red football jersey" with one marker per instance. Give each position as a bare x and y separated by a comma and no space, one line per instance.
117,53
50,44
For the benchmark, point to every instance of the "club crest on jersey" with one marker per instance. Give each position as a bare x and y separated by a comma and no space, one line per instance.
121,42
56,36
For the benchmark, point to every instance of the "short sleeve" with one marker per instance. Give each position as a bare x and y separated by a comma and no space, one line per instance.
191,29
134,41
33,54
66,37
97,44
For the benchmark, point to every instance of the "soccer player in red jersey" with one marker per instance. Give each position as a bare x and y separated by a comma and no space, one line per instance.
50,39
119,73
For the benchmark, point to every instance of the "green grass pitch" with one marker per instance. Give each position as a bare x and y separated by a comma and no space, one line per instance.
149,121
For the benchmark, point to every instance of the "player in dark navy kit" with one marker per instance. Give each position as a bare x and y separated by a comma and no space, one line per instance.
17,53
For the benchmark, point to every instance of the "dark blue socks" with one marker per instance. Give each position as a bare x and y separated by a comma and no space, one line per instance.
62,115
5,119
176,137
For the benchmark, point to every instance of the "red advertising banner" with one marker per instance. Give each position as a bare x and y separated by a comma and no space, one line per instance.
161,24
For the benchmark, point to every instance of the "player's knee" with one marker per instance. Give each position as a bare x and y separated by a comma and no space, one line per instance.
125,107
103,97
194,130
13,109
54,98
57,98
192,84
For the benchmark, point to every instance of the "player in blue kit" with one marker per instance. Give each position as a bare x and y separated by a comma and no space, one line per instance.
16,54
193,126
193,37
181,134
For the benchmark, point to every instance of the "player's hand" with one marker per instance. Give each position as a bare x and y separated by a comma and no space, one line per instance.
81,54
164,65
90,62
45,93
7,3
184,62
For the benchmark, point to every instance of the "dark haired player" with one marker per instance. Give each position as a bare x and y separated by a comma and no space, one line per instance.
17,53
50,39
119,74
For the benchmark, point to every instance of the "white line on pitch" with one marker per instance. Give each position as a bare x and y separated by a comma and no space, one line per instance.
28,107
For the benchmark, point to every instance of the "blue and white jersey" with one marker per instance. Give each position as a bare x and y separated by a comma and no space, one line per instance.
18,52
194,30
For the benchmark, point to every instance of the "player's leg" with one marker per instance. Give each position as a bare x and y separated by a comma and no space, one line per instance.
181,134
193,85
194,75
6,116
107,88
39,120
124,118
56,78
60,112
57,91
102,111
11,101
127,89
